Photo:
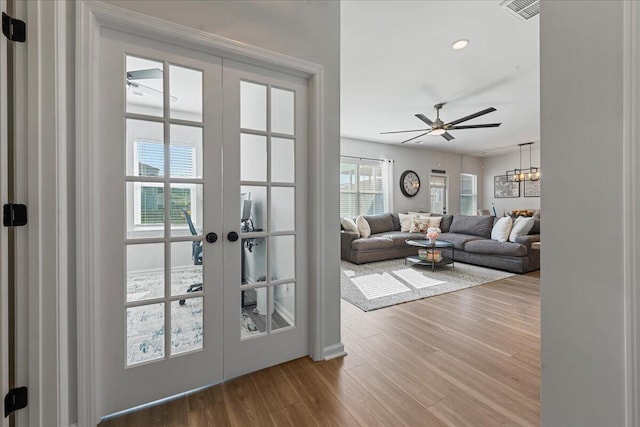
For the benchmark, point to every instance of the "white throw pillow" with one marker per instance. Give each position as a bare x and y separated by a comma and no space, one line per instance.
434,221
405,222
419,224
521,227
349,225
502,229
363,227
422,214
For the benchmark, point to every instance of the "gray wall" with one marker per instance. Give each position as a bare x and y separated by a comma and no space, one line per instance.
421,161
498,165
583,376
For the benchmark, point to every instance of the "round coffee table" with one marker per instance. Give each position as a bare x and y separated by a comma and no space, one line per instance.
431,247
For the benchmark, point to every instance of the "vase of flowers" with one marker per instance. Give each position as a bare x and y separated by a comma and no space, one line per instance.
432,234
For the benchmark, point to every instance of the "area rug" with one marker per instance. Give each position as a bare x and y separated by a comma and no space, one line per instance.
382,284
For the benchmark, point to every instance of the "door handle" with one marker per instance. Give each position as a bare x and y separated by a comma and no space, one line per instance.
212,237
232,236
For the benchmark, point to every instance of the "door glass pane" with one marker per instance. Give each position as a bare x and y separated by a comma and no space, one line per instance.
185,153
145,209
186,209
283,209
254,260
284,306
282,160
185,93
145,333
186,325
253,106
253,313
145,148
186,267
145,271
282,111
253,157
144,86
253,208
283,257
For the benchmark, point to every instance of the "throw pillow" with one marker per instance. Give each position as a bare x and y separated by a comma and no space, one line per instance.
349,224
434,221
419,224
405,222
501,229
424,214
521,227
363,227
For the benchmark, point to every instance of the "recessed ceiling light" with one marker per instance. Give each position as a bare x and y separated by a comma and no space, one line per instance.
460,44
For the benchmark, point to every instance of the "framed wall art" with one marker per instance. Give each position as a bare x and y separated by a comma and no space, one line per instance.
503,188
532,188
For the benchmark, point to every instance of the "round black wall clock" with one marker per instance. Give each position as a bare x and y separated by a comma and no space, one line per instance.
409,183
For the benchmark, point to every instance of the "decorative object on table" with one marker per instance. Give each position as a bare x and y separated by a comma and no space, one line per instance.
433,233
522,175
438,127
521,212
503,188
412,283
409,183
532,189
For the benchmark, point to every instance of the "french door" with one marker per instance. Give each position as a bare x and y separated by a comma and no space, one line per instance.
200,200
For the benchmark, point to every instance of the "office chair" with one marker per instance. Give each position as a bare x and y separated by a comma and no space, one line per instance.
196,253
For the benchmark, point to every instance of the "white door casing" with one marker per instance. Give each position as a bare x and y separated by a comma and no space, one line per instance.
91,19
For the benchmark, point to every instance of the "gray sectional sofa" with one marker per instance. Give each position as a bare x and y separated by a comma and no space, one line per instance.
470,235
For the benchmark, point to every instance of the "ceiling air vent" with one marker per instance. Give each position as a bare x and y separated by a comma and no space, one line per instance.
522,9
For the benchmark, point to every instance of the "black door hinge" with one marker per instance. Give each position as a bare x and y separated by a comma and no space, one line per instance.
14,400
14,29
14,215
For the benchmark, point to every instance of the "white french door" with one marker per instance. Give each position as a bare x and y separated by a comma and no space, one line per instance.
200,197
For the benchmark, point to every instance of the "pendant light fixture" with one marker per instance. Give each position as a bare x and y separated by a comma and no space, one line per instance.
519,174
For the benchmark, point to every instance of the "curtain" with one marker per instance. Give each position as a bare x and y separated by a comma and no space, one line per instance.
387,184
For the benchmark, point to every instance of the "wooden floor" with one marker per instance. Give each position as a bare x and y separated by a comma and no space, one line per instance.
467,358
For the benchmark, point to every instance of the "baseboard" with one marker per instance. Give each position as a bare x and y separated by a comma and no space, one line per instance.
286,314
334,351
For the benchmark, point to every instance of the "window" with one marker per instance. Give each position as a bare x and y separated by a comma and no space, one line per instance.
150,162
468,194
361,187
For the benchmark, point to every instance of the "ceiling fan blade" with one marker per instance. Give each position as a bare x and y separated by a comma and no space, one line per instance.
488,125
472,116
415,137
150,73
424,119
402,131
447,136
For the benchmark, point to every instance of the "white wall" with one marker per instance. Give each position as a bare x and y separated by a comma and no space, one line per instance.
421,161
498,165
583,375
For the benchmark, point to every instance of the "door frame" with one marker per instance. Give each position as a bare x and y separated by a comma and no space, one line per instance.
91,17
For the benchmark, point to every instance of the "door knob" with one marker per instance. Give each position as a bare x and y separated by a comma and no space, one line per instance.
212,237
232,236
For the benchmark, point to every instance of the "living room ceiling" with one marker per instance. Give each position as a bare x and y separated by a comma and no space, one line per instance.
397,60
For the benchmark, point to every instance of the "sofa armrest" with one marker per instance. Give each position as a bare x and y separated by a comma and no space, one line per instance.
346,237
528,240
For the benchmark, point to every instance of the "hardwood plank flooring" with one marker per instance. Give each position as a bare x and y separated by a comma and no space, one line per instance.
468,358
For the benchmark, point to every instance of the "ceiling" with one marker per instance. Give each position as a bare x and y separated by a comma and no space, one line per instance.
397,61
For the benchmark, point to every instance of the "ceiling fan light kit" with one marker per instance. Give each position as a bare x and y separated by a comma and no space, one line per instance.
532,173
438,127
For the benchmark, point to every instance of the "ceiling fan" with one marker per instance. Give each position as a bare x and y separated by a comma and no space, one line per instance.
147,74
438,127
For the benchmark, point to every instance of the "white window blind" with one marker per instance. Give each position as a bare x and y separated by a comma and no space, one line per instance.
361,187
468,194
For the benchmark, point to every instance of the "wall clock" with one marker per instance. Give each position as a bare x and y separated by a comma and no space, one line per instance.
409,183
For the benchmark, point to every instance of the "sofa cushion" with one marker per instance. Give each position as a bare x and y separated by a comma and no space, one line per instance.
399,238
501,229
521,227
380,223
445,223
536,226
396,221
474,225
491,247
348,224
372,243
458,240
405,222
